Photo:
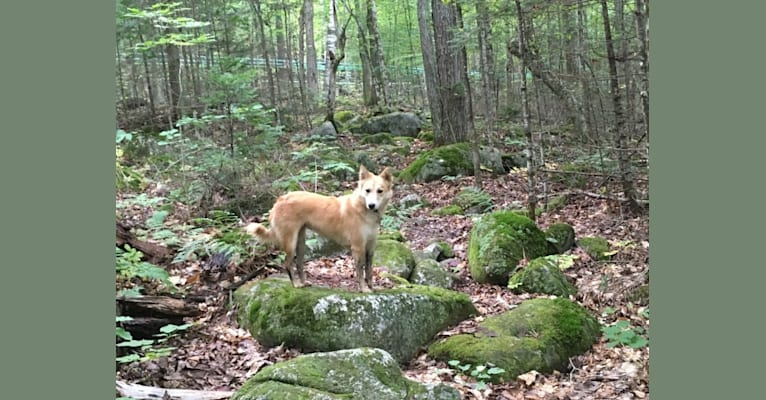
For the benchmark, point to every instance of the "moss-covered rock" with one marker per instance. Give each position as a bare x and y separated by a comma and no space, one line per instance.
343,116
398,320
430,273
447,210
378,138
354,374
561,237
395,257
498,242
473,200
595,246
426,136
541,275
453,159
439,250
540,334
391,235
397,123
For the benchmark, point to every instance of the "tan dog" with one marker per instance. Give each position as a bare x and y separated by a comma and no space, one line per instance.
351,220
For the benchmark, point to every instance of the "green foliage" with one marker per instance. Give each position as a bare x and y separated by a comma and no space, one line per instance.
396,215
473,200
621,333
227,238
129,265
481,373
164,17
147,349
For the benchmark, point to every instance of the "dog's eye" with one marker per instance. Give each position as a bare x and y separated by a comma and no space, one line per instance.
380,191
367,190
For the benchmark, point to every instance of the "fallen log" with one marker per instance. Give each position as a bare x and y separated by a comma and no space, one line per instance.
154,253
140,392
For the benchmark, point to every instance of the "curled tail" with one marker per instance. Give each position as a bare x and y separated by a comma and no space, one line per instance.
263,234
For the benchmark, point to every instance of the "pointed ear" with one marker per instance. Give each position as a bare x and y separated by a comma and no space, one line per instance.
363,172
386,174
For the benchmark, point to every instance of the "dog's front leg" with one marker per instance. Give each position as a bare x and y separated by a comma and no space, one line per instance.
360,262
368,265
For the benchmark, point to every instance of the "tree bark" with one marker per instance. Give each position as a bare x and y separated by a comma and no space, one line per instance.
312,80
531,192
486,63
256,5
141,392
377,57
336,44
642,28
623,155
452,90
429,60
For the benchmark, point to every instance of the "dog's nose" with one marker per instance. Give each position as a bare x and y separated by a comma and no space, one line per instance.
371,206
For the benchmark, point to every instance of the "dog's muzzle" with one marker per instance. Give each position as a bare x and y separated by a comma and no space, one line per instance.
373,207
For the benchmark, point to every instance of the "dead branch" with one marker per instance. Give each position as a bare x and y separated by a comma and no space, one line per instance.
140,392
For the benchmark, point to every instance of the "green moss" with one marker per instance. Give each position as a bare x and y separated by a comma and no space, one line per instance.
556,203
561,237
453,159
473,200
395,256
391,235
498,242
451,209
344,116
595,246
398,320
539,334
378,138
360,374
426,136
541,276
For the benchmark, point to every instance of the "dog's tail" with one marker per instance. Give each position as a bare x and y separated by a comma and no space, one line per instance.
263,234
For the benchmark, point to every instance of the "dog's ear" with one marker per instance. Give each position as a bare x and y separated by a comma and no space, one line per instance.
363,172
386,174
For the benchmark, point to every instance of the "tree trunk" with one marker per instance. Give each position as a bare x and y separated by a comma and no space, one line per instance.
312,77
256,5
531,192
335,54
377,57
623,156
486,63
302,73
369,92
452,89
580,66
429,60
642,27
154,253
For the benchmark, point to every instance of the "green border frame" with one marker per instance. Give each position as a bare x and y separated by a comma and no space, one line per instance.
57,170
707,110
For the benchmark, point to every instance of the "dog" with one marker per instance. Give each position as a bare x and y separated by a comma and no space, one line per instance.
350,220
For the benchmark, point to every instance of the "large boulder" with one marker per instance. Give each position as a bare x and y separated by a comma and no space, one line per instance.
355,374
398,320
540,334
396,123
453,159
498,241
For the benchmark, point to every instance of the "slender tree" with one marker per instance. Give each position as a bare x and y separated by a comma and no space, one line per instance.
623,156
522,38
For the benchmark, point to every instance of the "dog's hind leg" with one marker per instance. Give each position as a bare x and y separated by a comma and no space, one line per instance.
300,253
368,266
290,247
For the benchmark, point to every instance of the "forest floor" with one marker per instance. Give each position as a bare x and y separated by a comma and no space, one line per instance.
216,354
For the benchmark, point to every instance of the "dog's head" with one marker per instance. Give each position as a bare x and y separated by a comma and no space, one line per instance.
377,190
